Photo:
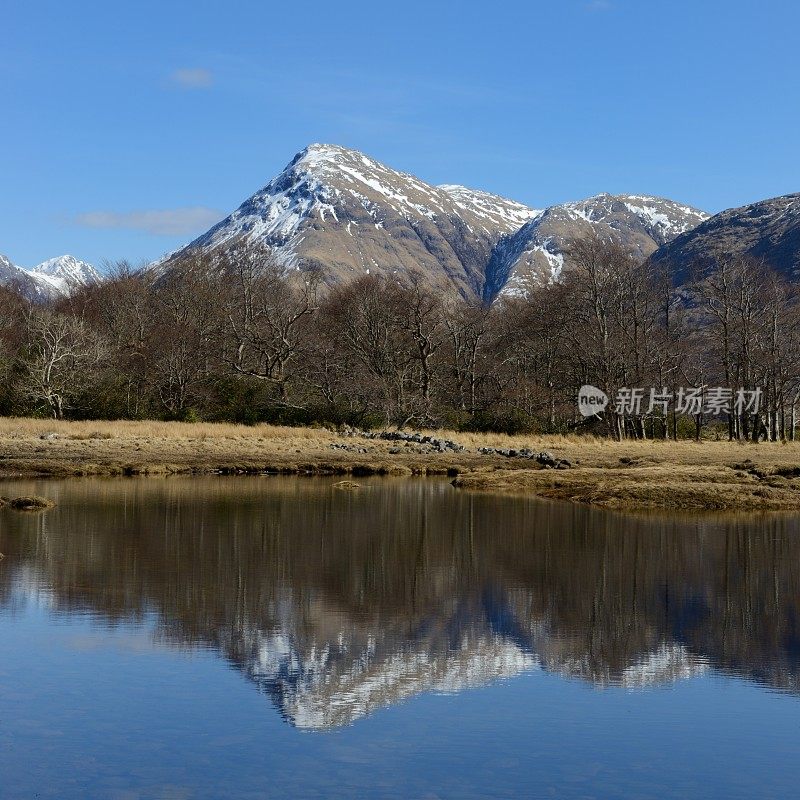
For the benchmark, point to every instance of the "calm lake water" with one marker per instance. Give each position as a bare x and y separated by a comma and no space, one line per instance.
277,637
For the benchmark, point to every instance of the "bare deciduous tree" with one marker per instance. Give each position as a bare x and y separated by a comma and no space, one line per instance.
58,357
267,316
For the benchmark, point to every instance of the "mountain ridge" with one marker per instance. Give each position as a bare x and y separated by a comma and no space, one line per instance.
344,214
537,253
341,212
767,230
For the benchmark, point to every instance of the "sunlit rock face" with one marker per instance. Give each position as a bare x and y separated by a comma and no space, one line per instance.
335,605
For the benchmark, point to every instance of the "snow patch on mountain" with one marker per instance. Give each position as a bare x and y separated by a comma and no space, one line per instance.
497,210
536,254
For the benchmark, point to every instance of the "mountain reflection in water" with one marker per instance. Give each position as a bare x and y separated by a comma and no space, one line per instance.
338,603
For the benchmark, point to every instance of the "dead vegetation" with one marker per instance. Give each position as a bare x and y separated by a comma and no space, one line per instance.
629,474
670,486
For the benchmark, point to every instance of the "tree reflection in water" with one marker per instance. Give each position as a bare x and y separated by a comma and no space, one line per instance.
336,603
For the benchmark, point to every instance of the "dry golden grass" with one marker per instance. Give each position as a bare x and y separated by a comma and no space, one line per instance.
657,474
594,449
690,487
149,429
45,447
685,474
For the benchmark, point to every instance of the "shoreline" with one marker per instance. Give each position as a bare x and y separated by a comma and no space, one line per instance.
628,475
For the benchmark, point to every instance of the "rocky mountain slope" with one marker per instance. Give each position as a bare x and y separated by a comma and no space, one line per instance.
343,213
535,254
50,280
336,211
768,230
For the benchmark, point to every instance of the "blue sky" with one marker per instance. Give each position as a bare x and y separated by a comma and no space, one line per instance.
128,128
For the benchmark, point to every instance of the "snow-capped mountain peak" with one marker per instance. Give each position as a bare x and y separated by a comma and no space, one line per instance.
50,280
345,214
66,273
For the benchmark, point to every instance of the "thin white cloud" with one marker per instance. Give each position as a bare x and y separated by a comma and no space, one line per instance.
164,222
192,78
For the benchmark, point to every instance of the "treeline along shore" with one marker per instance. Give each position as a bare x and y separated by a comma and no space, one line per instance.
231,364
237,338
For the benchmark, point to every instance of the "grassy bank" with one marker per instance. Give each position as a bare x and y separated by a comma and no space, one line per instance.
686,474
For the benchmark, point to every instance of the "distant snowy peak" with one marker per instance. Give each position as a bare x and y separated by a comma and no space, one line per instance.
343,213
69,268
536,254
66,273
52,279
